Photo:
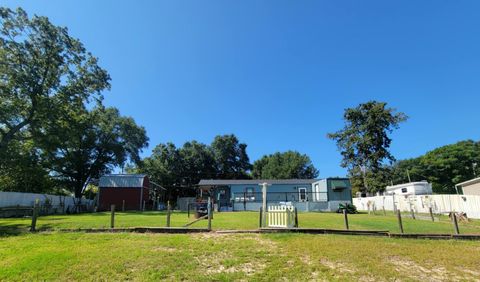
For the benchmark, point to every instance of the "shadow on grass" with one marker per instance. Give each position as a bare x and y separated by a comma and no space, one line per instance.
7,230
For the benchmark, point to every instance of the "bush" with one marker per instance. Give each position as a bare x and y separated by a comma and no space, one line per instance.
351,209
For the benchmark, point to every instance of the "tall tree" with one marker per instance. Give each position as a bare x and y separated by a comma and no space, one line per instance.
42,71
231,157
164,166
364,141
90,143
287,165
198,162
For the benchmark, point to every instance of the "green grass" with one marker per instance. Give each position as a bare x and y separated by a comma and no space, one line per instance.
236,220
211,256
253,257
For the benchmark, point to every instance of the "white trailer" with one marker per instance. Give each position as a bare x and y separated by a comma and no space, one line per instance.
412,188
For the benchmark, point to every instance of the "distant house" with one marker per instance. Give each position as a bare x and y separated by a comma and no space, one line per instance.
305,194
412,188
471,187
129,191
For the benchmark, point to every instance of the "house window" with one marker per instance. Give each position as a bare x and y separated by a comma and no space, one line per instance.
249,191
302,194
404,190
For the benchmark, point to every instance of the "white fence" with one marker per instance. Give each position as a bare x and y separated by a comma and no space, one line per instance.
421,204
12,199
281,216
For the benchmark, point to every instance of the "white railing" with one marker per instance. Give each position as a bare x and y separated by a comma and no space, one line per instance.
281,216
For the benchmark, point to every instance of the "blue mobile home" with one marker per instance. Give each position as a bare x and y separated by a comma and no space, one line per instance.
305,194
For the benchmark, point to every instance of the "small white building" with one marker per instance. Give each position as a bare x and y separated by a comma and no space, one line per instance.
412,188
471,187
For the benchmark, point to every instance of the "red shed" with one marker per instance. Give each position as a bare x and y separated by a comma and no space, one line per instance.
116,188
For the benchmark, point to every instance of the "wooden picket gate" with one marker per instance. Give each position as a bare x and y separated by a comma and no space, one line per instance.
281,217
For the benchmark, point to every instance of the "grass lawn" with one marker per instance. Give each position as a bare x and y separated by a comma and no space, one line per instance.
253,257
213,256
237,220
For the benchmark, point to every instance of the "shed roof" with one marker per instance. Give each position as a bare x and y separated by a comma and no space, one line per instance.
469,182
122,180
218,182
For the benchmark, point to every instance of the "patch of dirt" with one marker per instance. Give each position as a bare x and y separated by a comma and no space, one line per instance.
475,275
213,265
165,249
338,266
415,271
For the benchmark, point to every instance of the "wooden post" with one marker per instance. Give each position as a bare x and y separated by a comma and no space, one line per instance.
430,210
244,201
34,216
188,210
260,219
455,223
296,218
209,209
123,206
168,213
412,212
112,216
399,217
143,207
345,216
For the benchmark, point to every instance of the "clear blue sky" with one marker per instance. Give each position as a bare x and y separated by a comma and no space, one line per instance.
279,74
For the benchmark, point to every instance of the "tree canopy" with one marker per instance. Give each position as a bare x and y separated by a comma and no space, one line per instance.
287,165
43,70
231,157
55,134
364,141
444,167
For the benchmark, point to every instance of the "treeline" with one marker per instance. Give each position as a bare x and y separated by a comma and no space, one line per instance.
55,133
443,167
225,158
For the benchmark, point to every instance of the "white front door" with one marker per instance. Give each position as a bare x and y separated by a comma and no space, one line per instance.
302,194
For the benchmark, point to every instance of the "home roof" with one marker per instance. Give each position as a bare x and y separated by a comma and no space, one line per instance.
122,180
469,182
219,182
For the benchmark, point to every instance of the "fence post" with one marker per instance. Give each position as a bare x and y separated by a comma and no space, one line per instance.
431,214
399,217
34,216
143,207
123,206
455,223
412,212
345,216
112,216
260,219
209,209
168,213
296,218
244,201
